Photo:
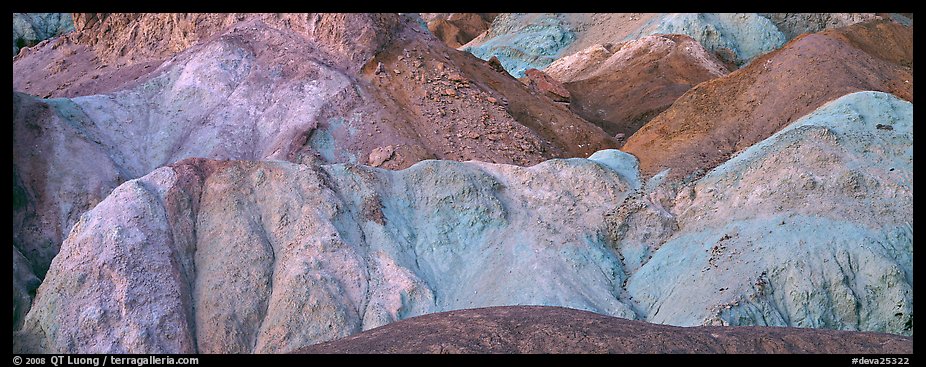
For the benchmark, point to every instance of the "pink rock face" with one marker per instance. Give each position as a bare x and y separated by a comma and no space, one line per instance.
543,83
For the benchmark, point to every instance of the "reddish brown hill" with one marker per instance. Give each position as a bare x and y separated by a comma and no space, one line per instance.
462,109
456,29
717,118
623,88
537,329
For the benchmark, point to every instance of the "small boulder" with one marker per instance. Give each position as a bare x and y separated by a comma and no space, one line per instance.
496,65
380,155
546,85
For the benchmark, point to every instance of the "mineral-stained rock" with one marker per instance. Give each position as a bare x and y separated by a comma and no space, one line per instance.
349,39
380,155
535,329
736,38
521,42
298,88
524,41
108,51
32,28
277,239
236,256
719,117
795,24
621,87
810,227
582,64
59,171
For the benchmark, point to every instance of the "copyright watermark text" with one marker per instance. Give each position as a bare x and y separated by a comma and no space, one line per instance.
885,360
102,361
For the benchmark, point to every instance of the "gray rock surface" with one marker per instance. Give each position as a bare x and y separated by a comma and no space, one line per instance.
24,284
59,172
32,28
237,256
275,236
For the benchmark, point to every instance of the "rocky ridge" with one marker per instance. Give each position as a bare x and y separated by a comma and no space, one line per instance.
30,29
237,256
621,87
809,227
314,253
736,38
240,93
457,29
720,117
534,40
533,329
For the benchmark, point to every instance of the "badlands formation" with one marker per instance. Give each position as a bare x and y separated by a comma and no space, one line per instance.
273,183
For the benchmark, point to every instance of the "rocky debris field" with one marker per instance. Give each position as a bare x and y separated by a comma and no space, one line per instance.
263,183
